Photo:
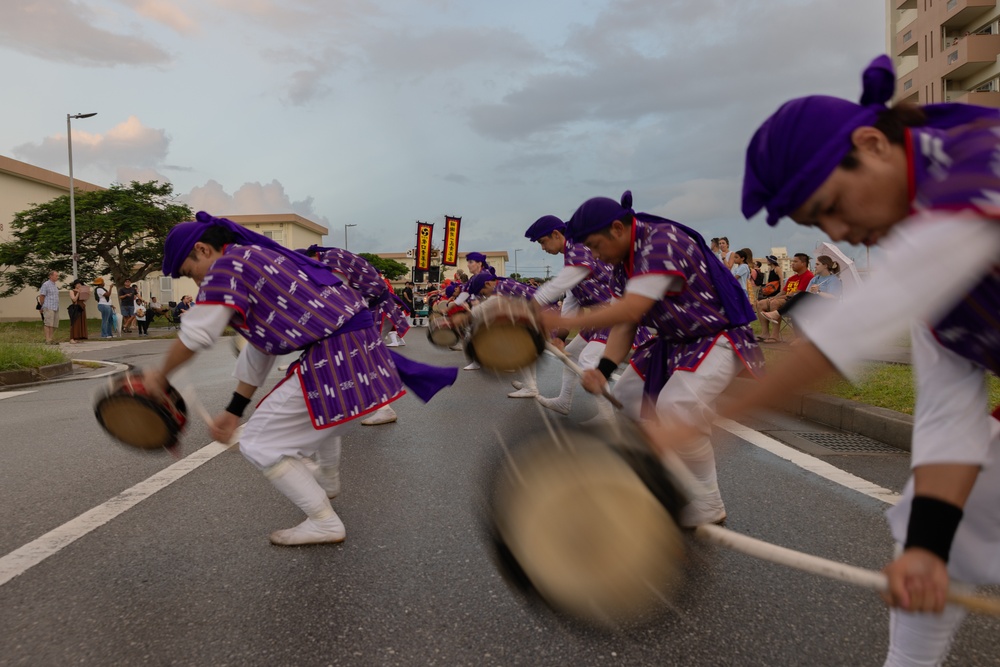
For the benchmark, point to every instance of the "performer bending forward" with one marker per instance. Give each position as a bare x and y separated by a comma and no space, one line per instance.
666,278
281,302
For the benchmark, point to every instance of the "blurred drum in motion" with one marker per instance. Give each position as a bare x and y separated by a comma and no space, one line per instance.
586,527
505,334
130,414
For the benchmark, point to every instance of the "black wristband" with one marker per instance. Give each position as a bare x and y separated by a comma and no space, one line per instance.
606,367
932,525
237,404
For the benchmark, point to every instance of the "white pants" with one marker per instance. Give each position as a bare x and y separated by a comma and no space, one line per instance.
586,355
689,397
280,426
628,390
921,640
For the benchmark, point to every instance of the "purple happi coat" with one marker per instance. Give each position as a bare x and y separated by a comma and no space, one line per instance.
954,170
511,288
279,310
689,322
365,278
595,290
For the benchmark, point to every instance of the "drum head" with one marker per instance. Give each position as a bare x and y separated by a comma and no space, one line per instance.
506,347
578,526
442,336
134,422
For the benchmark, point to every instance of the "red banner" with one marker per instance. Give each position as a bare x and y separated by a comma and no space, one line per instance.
451,227
424,232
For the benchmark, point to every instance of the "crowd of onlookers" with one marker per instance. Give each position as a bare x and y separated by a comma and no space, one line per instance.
773,295
135,312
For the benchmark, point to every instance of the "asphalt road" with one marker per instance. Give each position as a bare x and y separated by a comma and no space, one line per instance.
187,576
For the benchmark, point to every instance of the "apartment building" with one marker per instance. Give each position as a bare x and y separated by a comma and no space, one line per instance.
945,50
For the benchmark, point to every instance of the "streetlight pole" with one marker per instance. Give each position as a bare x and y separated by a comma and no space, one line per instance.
515,263
72,200
345,234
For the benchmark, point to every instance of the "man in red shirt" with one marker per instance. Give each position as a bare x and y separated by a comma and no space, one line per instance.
767,308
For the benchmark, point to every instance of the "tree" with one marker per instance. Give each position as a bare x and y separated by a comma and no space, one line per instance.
389,268
119,231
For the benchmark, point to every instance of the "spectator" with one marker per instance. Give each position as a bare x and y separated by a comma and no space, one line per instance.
406,294
153,308
797,282
183,306
79,294
825,284
745,275
714,246
725,254
48,303
126,297
104,306
142,317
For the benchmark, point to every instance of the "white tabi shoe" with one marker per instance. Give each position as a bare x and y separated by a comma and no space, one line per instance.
393,339
457,347
312,531
523,392
516,384
474,366
554,404
384,415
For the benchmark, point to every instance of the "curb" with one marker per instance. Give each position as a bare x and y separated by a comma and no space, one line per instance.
12,378
887,426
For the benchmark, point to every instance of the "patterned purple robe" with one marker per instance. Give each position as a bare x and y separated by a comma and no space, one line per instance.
959,169
365,278
344,369
511,288
689,322
595,290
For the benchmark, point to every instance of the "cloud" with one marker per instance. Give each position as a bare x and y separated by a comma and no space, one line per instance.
700,200
166,13
250,199
406,53
128,143
64,31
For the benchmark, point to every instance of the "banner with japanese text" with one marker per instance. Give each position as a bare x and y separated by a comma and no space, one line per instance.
449,257
424,232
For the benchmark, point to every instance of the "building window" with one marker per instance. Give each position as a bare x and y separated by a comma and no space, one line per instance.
908,84
952,4
952,57
908,35
275,235
166,284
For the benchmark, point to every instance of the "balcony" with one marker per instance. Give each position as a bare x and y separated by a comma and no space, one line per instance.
906,42
906,4
970,55
963,12
984,99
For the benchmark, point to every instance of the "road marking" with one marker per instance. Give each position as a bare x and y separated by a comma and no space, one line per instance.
12,394
31,554
809,462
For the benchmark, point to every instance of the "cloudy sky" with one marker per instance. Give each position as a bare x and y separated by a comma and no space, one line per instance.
380,113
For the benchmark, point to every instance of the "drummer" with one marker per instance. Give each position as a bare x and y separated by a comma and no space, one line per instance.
582,282
665,277
476,262
281,302
484,285
389,313
922,182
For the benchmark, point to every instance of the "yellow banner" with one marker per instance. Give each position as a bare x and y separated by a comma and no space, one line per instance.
451,228
424,232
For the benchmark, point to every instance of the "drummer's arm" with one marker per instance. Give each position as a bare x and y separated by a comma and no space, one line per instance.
202,326
251,372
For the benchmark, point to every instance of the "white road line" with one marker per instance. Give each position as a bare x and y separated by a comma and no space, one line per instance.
31,554
12,394
810,463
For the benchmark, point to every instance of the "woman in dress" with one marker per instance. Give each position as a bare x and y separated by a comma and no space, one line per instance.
79,293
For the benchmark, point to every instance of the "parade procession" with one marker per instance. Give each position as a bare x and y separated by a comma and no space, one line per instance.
574,425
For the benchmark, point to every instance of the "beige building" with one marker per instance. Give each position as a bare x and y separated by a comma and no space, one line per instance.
945,50
23,185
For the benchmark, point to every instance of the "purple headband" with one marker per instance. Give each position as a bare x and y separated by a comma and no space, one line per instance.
596,214
478,281
476,257
544,226
800,145
449,291
182,237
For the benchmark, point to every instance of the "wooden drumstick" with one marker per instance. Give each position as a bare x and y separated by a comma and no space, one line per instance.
827,568
570,364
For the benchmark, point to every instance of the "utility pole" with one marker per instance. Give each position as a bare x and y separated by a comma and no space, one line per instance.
546,271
